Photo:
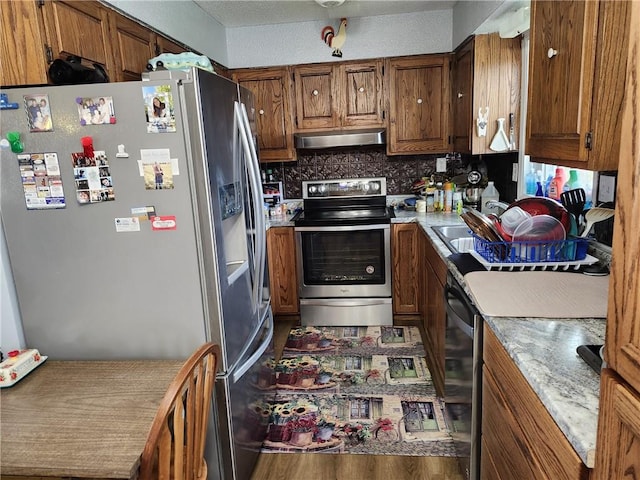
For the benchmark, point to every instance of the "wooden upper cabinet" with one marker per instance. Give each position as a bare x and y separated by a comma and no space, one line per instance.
576,82
22,31
419,99
315,92
360,87
338,95
486,74
164,45
80,29
272,98
134,45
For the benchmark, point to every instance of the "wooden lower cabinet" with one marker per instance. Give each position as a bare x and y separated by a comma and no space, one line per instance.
433,310
405,268
283,276
519,437
618,453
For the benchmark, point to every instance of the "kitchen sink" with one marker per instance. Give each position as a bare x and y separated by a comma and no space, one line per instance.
457,238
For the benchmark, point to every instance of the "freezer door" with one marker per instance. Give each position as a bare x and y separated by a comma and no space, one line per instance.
242,396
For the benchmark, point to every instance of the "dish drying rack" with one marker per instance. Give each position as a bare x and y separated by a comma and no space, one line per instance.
532,255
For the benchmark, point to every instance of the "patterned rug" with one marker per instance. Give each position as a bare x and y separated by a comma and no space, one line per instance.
356,390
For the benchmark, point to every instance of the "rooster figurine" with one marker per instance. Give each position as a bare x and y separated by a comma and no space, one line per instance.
335,41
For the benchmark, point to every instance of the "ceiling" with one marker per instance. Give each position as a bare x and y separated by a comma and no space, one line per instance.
241,13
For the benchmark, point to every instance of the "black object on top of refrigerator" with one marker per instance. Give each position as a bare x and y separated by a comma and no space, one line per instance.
134,225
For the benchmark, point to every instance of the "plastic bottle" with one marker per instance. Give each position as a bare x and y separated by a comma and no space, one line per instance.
489,194
539,190
530,183
448,197
557,184
573,182
546,185
457,202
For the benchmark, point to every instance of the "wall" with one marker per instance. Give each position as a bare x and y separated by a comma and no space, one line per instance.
367,37
469,15
283,44
183,21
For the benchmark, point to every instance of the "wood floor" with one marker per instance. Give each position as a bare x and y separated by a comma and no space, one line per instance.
287,466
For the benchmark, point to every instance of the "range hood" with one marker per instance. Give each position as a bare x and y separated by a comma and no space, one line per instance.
340,138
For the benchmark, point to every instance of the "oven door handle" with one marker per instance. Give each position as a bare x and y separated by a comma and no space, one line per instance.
342,228
359,302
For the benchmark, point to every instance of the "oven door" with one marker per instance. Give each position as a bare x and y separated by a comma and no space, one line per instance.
344,261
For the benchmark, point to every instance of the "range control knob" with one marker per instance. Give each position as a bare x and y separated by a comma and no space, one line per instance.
375,186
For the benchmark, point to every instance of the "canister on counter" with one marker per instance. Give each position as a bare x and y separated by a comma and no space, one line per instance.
430,202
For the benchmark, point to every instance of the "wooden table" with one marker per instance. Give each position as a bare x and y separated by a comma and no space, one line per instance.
83,419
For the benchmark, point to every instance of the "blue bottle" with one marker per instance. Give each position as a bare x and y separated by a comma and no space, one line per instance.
539,191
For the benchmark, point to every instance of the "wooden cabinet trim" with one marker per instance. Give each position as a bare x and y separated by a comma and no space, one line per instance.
283,274
405,269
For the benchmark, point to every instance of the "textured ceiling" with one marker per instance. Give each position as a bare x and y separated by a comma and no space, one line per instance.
238,13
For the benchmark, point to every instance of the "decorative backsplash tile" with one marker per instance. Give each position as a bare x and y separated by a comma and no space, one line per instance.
400,171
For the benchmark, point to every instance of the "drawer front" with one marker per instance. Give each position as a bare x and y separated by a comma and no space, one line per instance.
439,266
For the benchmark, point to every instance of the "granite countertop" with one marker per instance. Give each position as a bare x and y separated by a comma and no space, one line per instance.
543,349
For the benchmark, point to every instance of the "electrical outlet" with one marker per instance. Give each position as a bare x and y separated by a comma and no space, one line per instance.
514,172
606,188
441,164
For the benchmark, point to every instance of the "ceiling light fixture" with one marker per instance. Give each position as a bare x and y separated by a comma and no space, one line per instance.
329,3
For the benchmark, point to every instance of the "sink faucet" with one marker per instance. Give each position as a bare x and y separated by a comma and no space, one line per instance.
501,206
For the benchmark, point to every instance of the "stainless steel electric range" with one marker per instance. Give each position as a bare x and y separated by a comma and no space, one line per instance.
343,249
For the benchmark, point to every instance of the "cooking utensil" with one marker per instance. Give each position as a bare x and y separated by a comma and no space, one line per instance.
595,215
484,228
512,141
532,235
544,206
574,201
500,142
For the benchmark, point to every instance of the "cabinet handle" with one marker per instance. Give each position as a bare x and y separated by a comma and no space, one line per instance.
551,53
261,112
315,92
460,95
419,100
361,89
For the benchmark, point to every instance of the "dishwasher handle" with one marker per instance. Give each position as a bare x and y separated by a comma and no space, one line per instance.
463,322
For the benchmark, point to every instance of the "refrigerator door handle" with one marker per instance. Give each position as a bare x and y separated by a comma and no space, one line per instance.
256,195
242,369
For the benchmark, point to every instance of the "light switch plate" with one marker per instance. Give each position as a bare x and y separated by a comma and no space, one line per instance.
441,164
606,188
514,172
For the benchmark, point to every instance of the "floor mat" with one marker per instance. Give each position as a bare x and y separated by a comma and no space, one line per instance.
356,390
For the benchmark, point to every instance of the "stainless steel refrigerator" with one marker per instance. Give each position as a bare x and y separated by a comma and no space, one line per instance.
134,224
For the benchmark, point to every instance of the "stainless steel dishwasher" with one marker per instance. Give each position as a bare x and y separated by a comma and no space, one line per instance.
463,376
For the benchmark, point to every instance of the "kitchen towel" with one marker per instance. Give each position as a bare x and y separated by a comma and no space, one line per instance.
539,294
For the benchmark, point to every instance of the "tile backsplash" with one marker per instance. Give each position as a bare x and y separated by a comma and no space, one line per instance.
400,171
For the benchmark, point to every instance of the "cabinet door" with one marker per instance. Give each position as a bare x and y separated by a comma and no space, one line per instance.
134,45
22,45
576,79
283,278
361,99
81,29
434,312
167,46
316,105
462,100
270,87
418,104
405,271
618,429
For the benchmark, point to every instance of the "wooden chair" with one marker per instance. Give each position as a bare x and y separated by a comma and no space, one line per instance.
176,442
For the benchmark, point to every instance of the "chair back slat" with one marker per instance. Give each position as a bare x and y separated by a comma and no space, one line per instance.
176,442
